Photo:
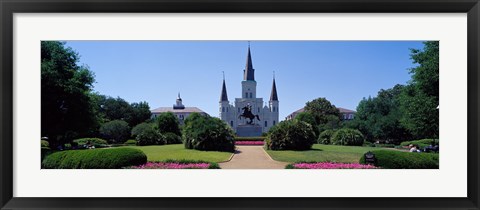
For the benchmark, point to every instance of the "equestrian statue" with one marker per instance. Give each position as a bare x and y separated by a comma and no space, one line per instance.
247,113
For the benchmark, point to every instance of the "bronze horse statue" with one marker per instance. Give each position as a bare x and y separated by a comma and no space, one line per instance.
247,113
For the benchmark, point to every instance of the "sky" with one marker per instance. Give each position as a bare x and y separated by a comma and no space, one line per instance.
343,72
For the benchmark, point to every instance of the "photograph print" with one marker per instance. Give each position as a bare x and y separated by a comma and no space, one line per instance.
246,104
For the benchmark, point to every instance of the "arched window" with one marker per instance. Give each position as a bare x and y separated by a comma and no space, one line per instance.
258,109
231,124
246,95
265,123
227,109
274,122
223,109
250,95
273,109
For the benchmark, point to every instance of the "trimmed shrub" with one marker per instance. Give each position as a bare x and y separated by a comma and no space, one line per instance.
404,160
325,137
44,143
131,142
208,134
290,135
96,142
140,128
348,136
172,138
95,159
420,143
150,136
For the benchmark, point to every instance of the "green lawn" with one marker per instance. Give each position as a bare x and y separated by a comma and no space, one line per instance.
322,153
178,152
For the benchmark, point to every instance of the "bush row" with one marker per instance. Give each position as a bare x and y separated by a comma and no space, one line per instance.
420,143
95,159
404,160
208,134
290,135
92,141
344,136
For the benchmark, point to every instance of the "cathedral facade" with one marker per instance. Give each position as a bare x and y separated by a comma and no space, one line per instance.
249,115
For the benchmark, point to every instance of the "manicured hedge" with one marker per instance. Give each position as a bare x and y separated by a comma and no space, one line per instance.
95,159
420,143
93,141
404,160
260,138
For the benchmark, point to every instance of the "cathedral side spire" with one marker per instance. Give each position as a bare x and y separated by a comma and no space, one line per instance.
249,72
273,95
224,96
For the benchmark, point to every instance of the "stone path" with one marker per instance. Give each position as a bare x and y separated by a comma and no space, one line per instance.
252,157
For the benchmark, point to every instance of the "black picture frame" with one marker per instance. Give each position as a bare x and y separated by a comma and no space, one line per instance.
10,7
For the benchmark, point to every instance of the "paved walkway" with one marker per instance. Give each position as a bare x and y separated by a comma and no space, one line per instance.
251,157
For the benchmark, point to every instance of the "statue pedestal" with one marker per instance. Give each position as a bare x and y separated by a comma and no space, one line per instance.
249,130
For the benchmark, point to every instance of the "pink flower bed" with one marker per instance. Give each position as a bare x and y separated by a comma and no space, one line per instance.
326,165
160,165
248,142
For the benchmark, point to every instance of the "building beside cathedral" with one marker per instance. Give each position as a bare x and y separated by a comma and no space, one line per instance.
178,109
259,117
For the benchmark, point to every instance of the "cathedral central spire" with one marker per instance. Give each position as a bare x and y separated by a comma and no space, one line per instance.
249,72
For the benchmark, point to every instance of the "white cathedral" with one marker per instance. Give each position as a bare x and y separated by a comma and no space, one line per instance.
249,116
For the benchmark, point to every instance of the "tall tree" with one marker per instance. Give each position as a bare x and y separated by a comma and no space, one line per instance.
140,113
119,109
167,122
66,103
116,131
326,115
421,98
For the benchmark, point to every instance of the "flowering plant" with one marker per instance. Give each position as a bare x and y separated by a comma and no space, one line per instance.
175,165
330,165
